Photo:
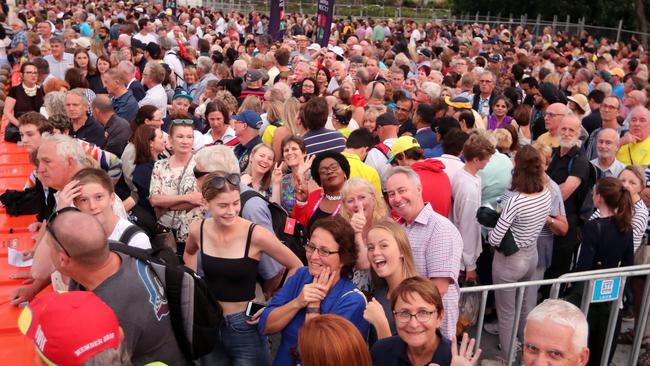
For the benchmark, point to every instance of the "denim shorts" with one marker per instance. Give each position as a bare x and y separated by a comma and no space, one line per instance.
240,344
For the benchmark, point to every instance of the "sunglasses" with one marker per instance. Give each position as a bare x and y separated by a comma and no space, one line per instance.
220,182
50,229
184,122
198,174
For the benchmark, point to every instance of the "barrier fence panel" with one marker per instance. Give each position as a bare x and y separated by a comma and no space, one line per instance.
610,282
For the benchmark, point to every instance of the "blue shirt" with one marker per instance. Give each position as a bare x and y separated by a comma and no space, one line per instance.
126,106
392,352
426,138
317,141
343,299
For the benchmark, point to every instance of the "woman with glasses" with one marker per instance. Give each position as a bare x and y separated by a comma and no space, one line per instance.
418,312
329,170
231,248
323,287
173,192
23,98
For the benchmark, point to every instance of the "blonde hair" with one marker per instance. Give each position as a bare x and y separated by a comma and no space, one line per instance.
275,112
403,244
290,115
356,185
504,139
266,179
251,102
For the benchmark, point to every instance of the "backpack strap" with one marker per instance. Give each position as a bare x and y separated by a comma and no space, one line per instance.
129,233
173,292
249,238
383,148
245,196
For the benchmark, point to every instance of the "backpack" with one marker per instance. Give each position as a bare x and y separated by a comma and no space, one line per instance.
129,233
289,231
585,190
194,313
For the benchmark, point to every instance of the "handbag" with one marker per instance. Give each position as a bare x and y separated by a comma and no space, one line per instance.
488,218
12,134
642,254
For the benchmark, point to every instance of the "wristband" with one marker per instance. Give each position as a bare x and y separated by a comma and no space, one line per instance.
312,310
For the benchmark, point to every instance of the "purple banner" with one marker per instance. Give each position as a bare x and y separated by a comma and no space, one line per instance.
324,21
277,18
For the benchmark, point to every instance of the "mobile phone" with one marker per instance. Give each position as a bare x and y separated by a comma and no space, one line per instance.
253,307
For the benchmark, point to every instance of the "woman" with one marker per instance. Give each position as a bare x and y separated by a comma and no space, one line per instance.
522,116
209,94
76,79
294,153
308,89
341,118
23,98
361,207
94,195
274,118
329,170
258,172
149,145
95,81
173,192
82,61
370,119
499,117
524,213
607,242
390,257
231,248
417,307
330,340
323,287
323,77
220,132
290,126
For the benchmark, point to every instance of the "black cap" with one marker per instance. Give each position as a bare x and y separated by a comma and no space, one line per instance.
387,119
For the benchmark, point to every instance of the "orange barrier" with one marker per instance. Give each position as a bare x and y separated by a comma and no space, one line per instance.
19,170
14,159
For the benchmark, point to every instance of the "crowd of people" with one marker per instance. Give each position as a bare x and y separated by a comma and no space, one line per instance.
407,160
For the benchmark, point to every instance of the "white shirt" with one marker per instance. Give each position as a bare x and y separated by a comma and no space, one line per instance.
149,37
466,194
207,139
175,64
221,26
452,164
139,240
379,161
157,97
611,171
58,68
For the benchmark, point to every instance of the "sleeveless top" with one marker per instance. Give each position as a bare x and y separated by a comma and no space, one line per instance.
230,279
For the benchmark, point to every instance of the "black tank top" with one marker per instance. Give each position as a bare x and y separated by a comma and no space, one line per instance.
230,279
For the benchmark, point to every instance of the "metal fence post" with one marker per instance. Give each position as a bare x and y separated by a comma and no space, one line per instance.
537,24
618,31
476,19
611,326
568,21
554,22
639,331
519,303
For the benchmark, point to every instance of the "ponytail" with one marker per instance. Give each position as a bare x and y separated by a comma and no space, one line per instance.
618,199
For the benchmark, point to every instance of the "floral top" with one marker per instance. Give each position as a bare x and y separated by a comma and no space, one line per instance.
288,195
165,180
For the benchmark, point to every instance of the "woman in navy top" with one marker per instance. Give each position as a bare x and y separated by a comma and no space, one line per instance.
417,307
323,287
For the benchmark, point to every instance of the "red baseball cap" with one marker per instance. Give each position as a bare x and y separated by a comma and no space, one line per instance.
70,327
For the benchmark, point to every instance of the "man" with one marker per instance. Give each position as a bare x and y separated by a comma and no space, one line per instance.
72,328
606,144
552,117
483,100
147,32
608,117
436,189
556,333
204,73
44,30
387,127
452,148
254,85
247,129
271,67
116,129
570,170
127,69
372,65
84,127
180,109
339,75
375,93
635,144
152,77
403,112
302,51
313,116
172,59
121,281
59,60
631,100
423,119
124,103
466,195
356,150
43,69
397,77
18,46
593,121
543,96
617,82
444,125
436,244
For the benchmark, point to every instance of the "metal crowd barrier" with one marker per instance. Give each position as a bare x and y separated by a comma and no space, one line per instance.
610,275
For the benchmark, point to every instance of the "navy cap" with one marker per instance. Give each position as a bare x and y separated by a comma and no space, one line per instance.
250,117
183,94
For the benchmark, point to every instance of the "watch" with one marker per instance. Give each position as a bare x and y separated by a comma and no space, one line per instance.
312,310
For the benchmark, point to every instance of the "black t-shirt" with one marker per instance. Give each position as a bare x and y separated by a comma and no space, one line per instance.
392,352
407,126
575,164
91,131
26,103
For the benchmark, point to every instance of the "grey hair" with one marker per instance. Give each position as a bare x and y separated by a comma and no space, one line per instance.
605,87
217,158
54,103
431,89
563,313
110,356
204,64
66,147
640,108
410,174
126,67
616,136
80,93
284,89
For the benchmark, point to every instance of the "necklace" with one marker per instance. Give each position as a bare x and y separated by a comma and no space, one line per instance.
332,198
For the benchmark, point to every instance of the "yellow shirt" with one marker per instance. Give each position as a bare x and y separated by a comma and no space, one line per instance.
549,140
637,154
362,170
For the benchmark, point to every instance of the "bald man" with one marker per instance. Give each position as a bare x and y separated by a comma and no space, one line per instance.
635,145
126,285
609,111
606,145
552,117
116,129
632,100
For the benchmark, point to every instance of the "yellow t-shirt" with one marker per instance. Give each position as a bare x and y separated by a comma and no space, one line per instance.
637,154
362,170
549,140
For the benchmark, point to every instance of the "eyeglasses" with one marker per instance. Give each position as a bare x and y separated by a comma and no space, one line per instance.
404,316
219,182
332,168
322,252
552,115
50,229
198,174
608,106
184,122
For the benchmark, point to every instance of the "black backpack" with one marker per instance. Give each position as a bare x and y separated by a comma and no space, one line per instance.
194,313
290,232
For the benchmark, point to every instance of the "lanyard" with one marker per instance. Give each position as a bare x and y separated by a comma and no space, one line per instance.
318,205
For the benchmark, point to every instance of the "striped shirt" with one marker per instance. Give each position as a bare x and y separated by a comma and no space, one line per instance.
318,141
524,215
437,249
639,221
